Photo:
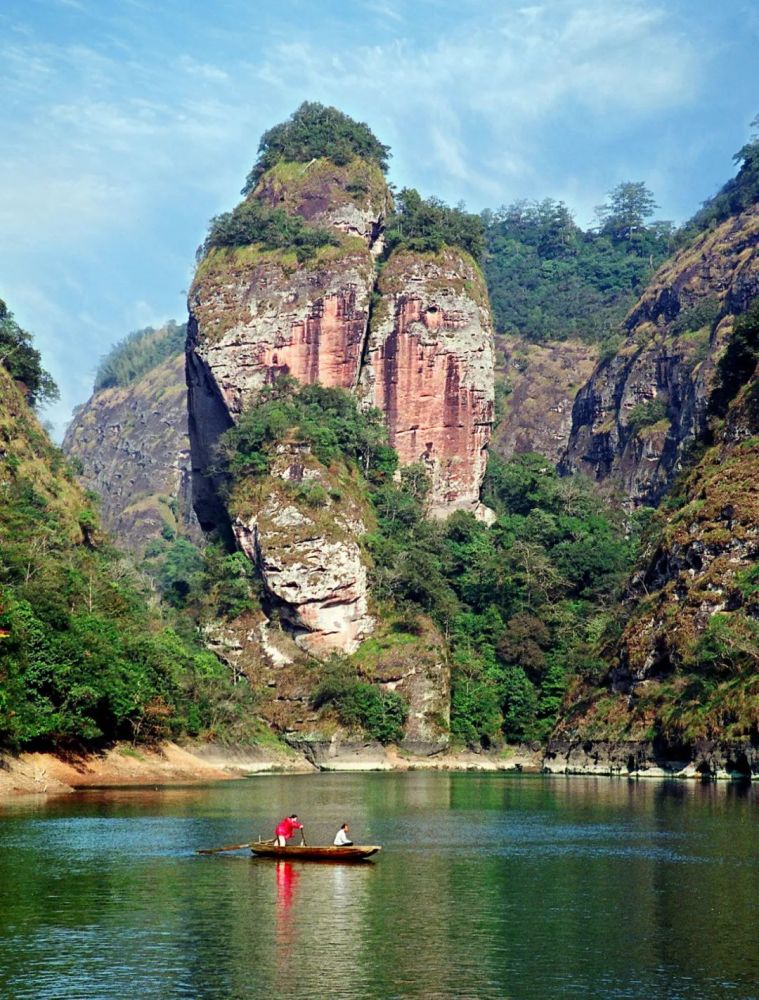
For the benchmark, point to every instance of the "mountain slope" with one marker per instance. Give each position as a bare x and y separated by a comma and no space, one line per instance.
132,445
86,655
642,408
684,672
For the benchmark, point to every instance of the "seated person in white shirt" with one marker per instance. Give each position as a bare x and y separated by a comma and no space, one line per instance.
341,837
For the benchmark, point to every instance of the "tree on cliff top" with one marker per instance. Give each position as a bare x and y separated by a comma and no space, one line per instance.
624,215
312,132
23,361
738,194
138,353
428,224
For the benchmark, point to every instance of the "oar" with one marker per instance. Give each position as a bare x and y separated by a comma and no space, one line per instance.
303,837
229,847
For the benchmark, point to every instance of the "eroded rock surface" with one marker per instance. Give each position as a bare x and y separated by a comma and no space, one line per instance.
308,556
429,368
641,409
540,382
700,563
256,316
134,448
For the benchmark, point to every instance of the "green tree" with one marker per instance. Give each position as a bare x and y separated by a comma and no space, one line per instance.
314,131
138,353
624,215
736,195
519,705
252,222
23,361
427,225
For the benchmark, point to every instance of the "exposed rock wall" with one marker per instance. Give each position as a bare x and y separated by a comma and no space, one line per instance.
309,557
353,197
539,385
694,571
134,447
683,671
255,316
675,336
427,362
429,368
646,758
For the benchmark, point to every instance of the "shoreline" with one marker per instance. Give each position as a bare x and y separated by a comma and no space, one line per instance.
171,764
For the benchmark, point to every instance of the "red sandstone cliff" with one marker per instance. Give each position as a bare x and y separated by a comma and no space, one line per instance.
426,362
429,368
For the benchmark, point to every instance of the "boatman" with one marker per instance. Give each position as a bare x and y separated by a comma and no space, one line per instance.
286,829
341,837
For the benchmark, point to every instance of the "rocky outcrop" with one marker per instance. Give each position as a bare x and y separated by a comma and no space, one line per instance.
653,759
412,664
415,665
426,362
641,409
352,197
683,670
254,316
700,563
301,529
429,368
537,388
134,450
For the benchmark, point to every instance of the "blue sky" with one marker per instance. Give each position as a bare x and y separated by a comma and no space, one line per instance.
127,124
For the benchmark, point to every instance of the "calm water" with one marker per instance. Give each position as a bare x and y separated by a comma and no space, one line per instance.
488,886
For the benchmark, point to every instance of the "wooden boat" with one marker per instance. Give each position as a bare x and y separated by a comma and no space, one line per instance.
300,852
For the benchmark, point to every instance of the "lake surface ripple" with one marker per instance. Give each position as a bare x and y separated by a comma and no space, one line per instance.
488,886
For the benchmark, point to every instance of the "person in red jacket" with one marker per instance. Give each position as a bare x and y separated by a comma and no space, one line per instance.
286,829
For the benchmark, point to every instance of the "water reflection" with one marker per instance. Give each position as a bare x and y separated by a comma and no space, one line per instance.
287,878
488,886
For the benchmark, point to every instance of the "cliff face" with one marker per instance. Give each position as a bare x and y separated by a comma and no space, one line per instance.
308,556
425,359
539,385
429,368
134,450
256,315
683,678
352,198
641,409
703,563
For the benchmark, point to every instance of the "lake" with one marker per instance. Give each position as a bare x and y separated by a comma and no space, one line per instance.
488,886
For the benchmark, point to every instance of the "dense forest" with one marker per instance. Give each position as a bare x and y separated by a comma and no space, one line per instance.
520,602
548,279
88,654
